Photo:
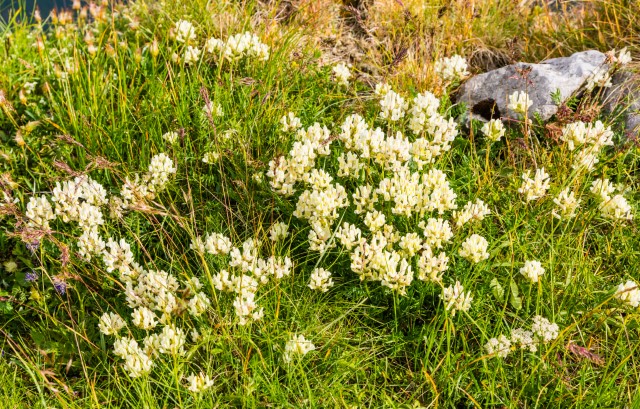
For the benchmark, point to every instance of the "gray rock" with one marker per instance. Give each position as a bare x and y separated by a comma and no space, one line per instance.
623,97
487,95
556,6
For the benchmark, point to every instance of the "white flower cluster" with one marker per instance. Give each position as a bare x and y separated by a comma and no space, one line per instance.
629,293
341,73
474,248
136,361
426,121
425,106
239,46
156,298
320,207
278,231
524,339
500,347
75,200
171,137
39,212
623,57
284,172
412,193
578,134
214,243
600,77
471,212
533,270
142,189
587,140
602,189
191,55
534,188
298,346
566,205
246,273
393,106
452,68
198,383
519,102
613,207
456,299
321,280
431,267
236,47
437,232
149,293
184,31
111,324
160,170
378,249
542,332
290,122
78,200
494,130
144,318
616,208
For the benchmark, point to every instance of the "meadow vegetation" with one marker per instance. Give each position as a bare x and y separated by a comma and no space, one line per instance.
276,204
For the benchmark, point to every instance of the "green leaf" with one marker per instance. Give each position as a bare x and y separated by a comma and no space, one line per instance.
497,290
5,307
556,97
516,301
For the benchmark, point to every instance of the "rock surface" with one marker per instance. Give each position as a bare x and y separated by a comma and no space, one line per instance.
487,95
553,5
624,97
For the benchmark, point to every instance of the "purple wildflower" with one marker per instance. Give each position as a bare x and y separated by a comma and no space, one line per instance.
33,246
31,277
60,286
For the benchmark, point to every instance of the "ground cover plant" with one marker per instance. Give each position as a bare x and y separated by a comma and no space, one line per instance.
279,204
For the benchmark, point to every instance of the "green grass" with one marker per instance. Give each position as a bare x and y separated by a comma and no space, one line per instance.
374,348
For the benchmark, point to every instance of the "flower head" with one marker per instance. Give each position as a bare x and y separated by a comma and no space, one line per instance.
278,231
474,248
532,270
519,102
456,299
171,137
534,188
198,383
341,73
629,293
452,68
566,205
297,346
184,31
110,323
39,212
500,347
393,106
493,130
320,280
31,276
544,330
60,286
290,122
